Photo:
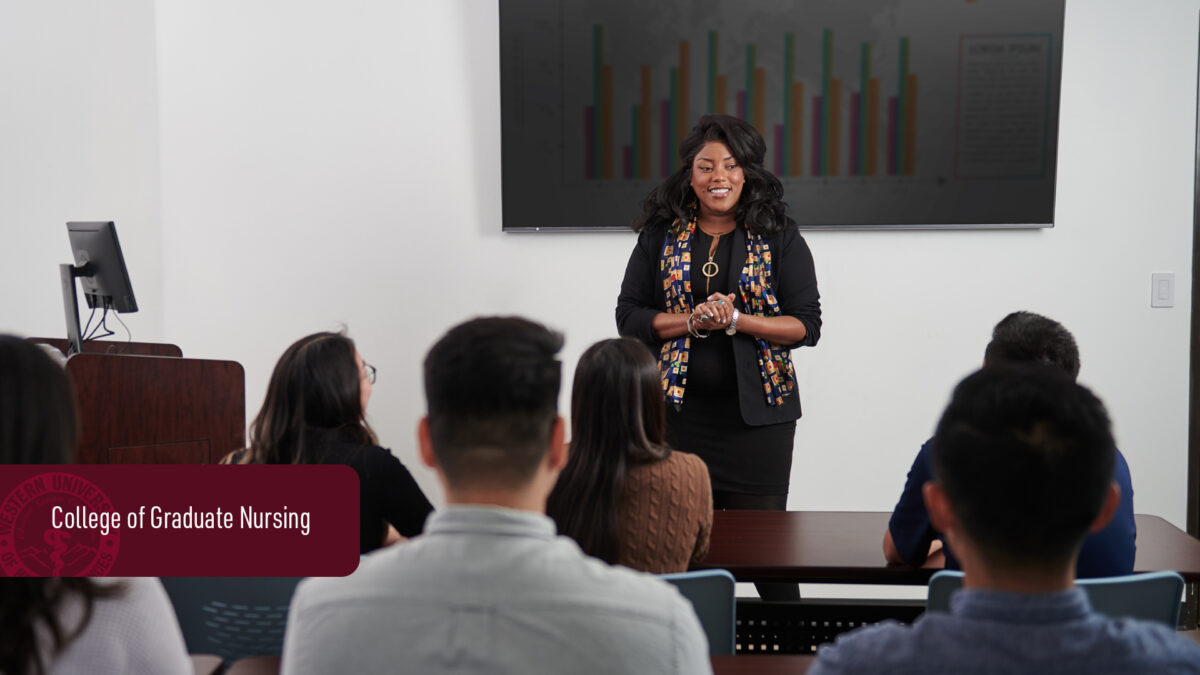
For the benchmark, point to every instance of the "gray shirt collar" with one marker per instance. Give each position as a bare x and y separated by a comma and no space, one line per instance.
493,520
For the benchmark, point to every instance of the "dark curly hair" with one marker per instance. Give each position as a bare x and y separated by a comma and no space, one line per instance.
761,207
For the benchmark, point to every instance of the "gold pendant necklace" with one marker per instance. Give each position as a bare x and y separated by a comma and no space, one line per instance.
710,265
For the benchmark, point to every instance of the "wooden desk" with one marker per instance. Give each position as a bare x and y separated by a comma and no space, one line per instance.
846,547
761,664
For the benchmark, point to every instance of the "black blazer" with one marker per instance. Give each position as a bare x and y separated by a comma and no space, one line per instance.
793,280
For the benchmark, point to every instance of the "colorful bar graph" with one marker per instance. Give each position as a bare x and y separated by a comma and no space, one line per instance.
853,127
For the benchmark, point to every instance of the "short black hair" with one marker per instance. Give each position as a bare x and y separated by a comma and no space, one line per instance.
491,386
1025,337
1025,457
37,406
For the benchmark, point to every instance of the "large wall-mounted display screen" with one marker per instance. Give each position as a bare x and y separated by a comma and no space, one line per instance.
876,113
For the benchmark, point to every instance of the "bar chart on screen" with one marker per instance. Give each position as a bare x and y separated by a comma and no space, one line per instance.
875,111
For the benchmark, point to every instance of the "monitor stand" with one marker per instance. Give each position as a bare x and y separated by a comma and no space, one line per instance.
67,275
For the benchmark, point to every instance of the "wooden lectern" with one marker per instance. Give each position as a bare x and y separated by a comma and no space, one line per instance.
142,403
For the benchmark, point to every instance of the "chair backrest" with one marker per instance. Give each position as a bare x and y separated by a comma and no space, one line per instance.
232,617
712,595
1153,596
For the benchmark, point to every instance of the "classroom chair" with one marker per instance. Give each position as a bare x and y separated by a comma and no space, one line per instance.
1154,596
711,593
232,617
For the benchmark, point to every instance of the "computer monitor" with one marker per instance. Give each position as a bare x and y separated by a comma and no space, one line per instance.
101,267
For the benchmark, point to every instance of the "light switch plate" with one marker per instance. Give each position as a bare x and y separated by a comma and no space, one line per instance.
1162,289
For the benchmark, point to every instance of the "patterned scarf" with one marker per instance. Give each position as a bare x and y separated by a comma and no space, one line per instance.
754,289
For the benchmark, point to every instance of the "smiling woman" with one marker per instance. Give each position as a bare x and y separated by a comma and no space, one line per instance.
724,336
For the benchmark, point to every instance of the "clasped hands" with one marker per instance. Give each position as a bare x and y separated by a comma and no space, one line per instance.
715,313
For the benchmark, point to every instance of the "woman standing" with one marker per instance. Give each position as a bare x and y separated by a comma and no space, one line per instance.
722,286
624,496
314,414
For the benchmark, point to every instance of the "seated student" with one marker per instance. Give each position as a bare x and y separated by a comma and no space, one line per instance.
314,414
624,495
1023,464
489,588
56,625
1019,338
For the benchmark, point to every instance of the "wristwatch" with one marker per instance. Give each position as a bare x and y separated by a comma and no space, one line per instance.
731,329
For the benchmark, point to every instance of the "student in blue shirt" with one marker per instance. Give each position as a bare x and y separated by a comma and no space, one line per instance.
1020,338
1023,462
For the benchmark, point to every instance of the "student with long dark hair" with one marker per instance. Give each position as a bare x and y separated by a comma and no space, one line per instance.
314,414
51,625
624,496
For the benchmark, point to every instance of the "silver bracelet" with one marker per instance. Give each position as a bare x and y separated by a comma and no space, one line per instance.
731,329
693,331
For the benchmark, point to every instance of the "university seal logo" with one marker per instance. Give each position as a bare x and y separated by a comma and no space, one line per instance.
30,545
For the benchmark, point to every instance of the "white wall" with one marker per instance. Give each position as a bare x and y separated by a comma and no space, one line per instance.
78,141
326,164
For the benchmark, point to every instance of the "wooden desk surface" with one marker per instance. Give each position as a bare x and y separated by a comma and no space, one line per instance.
762,664
847,547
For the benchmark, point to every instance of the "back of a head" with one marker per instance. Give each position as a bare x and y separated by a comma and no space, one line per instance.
618,418
616,399
37,406
37,426
315,387
1025,456
491,387
1028,338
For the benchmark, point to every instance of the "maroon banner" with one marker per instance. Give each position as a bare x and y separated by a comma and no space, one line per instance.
178,520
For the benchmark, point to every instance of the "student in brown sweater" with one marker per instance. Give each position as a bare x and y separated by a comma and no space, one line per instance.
624,495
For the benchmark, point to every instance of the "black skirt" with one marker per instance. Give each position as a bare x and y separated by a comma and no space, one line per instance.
741,458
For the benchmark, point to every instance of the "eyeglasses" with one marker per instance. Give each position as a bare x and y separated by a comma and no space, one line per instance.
369,372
